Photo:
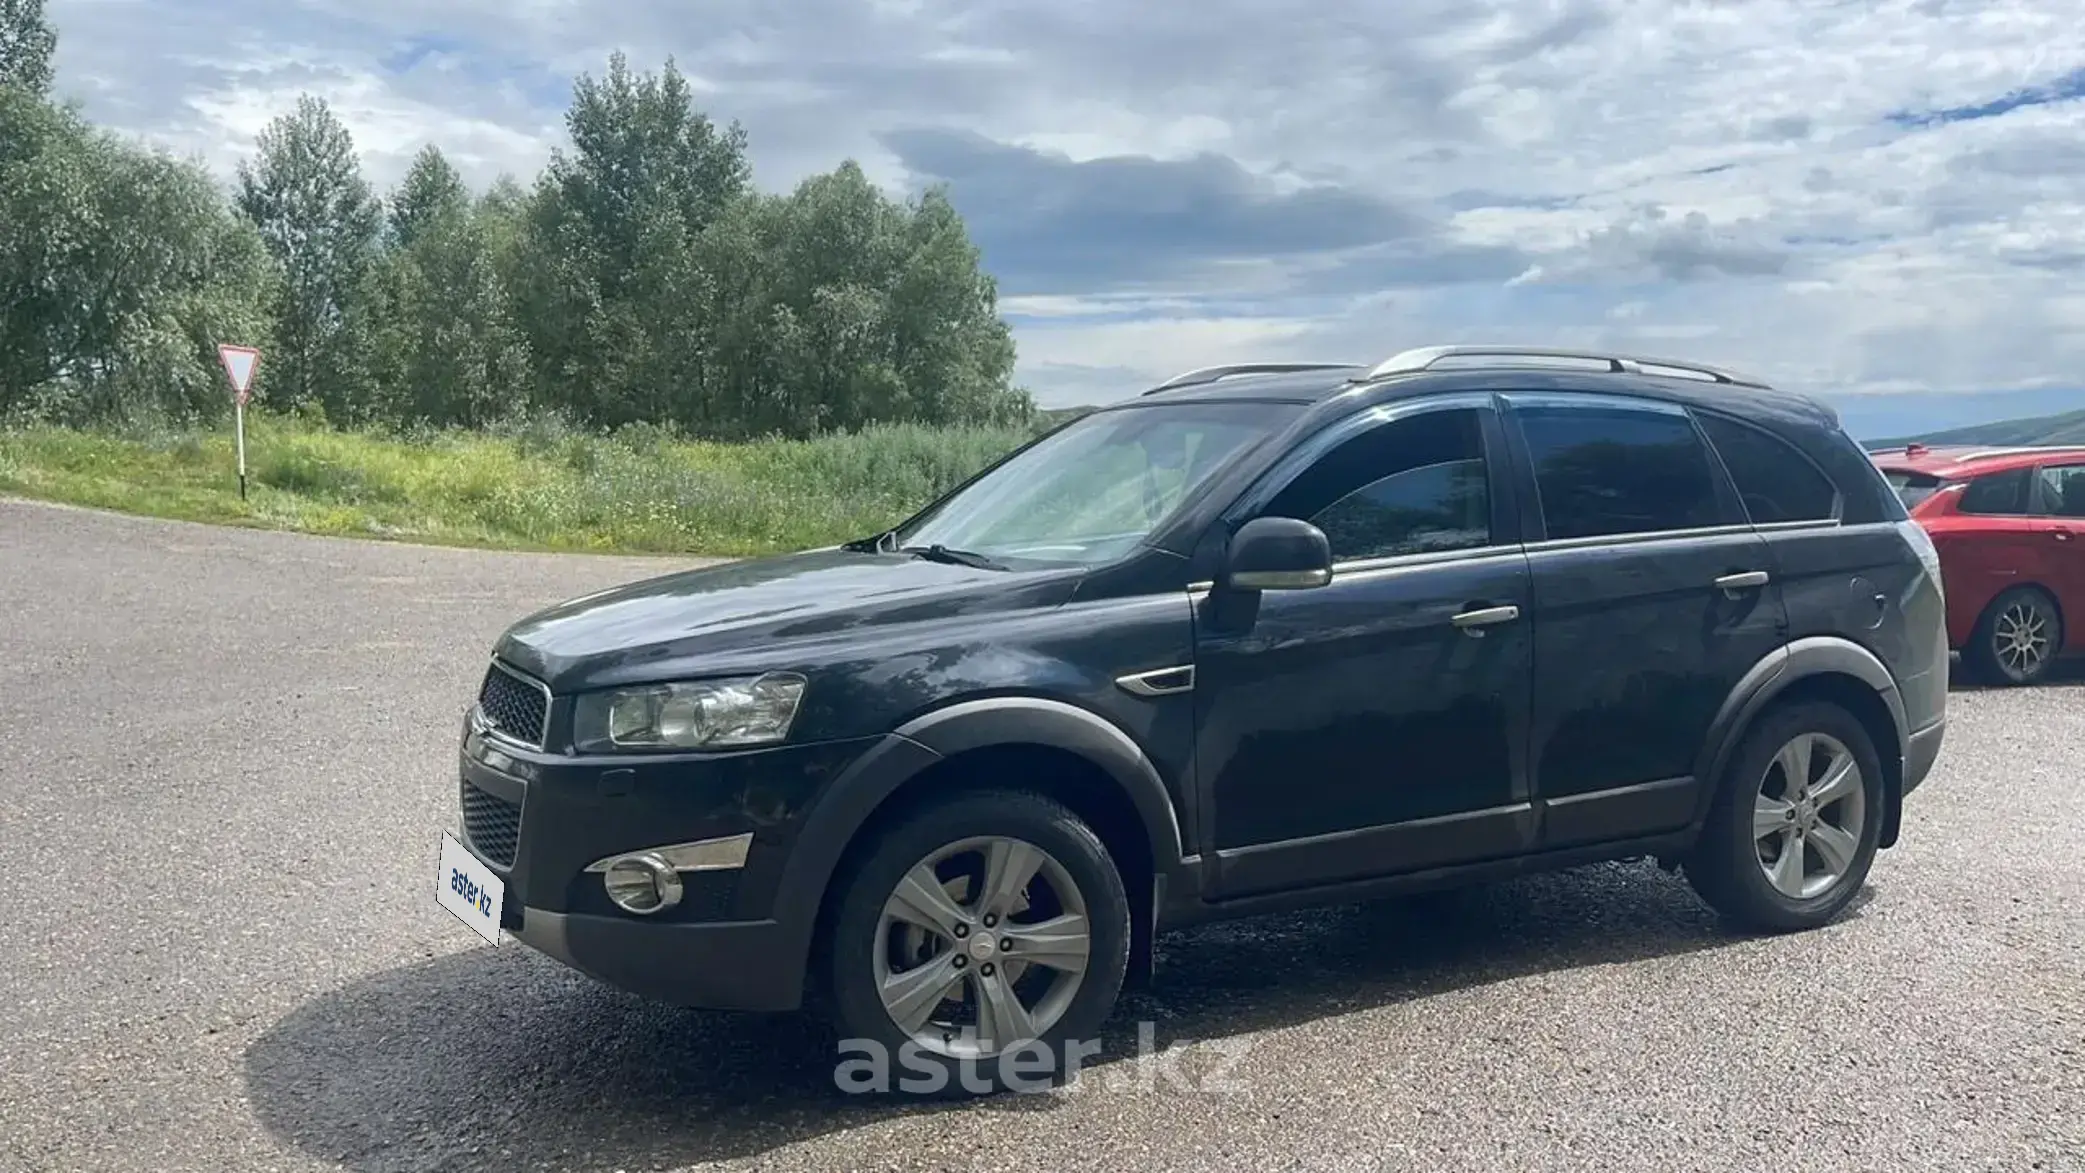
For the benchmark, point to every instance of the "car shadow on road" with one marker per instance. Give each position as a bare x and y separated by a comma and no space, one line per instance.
501,1059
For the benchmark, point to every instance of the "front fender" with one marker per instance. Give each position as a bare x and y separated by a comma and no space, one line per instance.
852,798
1027,720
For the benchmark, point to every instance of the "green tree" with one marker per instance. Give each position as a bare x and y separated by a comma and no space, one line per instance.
306,194
609,244
465,361
431,189
951,347
443,346
27,44
869,311
120,271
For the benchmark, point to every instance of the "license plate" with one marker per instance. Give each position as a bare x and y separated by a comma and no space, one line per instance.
468,889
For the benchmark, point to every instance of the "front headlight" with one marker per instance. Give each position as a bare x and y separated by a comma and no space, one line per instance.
708,714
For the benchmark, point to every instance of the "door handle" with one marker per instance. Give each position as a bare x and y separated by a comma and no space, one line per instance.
1473,621
2062,535
1740,582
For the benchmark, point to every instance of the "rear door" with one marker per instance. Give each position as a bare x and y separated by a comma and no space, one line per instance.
2060,495
1652,599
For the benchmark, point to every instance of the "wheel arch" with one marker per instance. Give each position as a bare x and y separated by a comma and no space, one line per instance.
1824,668
1033,743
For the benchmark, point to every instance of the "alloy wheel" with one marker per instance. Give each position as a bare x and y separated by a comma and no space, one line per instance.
982,946
1808,815
2020,639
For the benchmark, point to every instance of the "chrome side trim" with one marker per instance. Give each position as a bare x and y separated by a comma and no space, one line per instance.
1159,681
1361,566
1783,527
1655,536
703,855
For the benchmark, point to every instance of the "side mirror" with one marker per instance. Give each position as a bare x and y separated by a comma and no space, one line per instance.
1278,554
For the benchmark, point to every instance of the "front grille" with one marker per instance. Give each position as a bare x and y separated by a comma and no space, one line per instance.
516,707
491,824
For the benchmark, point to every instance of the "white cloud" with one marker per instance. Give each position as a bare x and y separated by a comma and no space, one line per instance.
1828,195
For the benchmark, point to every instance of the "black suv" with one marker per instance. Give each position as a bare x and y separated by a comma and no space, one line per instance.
1264,637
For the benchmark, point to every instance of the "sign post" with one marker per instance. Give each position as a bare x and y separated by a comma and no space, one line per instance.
239,363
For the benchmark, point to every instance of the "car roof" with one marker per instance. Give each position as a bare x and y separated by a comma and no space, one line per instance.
1423,371
1958,460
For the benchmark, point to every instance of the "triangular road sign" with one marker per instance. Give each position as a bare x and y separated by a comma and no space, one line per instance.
239,363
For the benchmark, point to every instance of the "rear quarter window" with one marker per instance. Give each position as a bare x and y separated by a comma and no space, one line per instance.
1776,482
1912,487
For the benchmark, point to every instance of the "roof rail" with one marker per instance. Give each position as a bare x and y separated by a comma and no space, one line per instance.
1212,374
1984,453
1425,357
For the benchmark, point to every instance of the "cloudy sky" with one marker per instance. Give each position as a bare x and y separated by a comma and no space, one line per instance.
1847,196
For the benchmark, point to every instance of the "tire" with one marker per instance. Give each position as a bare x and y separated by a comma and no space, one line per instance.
1730,866
867,945
1988,654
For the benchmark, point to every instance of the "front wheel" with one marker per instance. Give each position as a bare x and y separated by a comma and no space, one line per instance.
1795,824
977,947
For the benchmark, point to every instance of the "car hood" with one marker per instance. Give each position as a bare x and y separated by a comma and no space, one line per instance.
704,620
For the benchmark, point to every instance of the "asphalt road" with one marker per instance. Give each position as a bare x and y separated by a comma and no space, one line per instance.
228,756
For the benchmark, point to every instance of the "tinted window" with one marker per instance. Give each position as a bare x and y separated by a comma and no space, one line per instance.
1912,487
1776,482
1999,492
1618,470
1410,486
2060,491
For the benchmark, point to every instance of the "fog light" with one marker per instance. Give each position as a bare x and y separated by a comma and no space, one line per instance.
642,884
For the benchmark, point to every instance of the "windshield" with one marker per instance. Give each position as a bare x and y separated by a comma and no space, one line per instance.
1096,488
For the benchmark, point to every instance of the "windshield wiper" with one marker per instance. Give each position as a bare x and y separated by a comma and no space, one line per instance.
940,553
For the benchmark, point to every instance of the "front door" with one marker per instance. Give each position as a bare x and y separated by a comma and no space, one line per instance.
1653,597
1376,724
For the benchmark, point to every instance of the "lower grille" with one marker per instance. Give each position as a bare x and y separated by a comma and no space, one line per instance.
491,824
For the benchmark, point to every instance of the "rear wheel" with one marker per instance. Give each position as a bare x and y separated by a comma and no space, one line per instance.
1795,823
2016,638
978,946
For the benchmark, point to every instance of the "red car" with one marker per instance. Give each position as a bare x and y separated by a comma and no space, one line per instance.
2010,527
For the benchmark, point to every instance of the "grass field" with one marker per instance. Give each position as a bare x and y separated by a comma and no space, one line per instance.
541,488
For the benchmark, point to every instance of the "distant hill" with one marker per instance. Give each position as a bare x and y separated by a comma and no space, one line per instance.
2064,428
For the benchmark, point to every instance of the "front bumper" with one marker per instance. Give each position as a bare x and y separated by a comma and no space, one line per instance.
539,819
731,966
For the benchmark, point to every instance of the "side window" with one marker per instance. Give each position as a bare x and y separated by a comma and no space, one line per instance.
1999,493
1604,470
2060,490
1776,482
1411,486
